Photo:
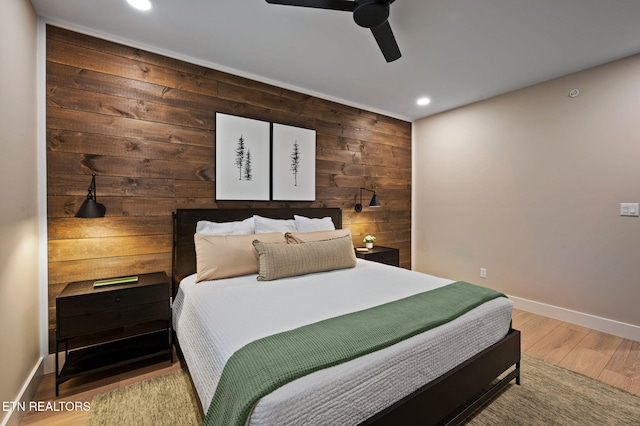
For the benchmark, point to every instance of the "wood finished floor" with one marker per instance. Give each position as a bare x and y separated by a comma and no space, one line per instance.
604,357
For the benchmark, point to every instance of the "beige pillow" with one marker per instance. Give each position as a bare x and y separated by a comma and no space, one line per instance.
288,260
306,237
224,256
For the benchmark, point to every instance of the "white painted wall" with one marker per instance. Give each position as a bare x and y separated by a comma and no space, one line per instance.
19,263
528,185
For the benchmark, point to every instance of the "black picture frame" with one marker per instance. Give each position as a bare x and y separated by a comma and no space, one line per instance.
293,171
243,158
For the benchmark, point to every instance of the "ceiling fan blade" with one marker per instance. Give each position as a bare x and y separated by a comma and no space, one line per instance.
387,42
318,4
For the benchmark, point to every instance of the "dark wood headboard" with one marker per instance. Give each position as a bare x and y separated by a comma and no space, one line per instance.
185,220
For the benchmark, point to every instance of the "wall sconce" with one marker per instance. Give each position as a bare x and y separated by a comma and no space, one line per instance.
373,203
90,207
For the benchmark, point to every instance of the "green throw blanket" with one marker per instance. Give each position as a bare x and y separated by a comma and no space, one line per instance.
264,365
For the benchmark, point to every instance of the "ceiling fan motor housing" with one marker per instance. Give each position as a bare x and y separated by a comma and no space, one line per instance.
371,13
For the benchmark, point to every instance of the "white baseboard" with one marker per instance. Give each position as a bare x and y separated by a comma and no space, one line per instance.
49,362
617,328
13,417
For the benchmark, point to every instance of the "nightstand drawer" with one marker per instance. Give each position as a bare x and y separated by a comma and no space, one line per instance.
386,255
390,258
90,322
111,300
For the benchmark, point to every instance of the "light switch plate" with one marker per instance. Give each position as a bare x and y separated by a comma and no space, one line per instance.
629,209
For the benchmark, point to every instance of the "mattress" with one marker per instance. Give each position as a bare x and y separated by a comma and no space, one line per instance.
213,319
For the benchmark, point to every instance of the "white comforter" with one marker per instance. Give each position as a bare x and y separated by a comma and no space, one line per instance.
213,319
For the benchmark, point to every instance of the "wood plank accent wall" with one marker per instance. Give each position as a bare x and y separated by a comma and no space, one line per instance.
145,124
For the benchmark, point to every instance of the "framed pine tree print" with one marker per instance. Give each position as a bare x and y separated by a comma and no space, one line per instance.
293,171
242,158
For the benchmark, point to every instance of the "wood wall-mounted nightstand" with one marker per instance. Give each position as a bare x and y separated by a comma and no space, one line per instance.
380,254
82,310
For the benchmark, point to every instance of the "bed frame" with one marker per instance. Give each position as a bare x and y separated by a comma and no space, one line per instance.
448,399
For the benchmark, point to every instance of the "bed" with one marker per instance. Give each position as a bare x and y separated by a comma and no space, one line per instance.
439,376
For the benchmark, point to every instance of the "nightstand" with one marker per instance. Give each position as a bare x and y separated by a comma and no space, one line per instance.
386,255
82,310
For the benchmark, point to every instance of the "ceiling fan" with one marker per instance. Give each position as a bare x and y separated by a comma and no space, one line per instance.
372,14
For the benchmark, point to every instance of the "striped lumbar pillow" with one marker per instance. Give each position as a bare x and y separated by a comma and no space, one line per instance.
277,260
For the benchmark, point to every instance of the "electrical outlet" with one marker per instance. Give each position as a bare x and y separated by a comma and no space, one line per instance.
483,272
629,209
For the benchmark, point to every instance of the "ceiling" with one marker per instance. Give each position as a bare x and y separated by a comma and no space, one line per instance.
454,51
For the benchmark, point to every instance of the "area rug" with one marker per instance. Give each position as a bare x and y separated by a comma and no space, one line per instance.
548,395
552,395
163,400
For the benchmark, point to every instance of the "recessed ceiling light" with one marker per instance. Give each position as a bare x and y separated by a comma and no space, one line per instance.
423,101
140,4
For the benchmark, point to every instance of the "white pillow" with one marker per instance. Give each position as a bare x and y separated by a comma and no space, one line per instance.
246,226
266,225
305,224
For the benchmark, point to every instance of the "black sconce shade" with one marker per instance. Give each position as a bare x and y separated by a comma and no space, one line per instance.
90,207
373,203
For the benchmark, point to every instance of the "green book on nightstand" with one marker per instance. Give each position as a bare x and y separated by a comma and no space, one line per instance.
112,281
